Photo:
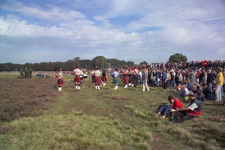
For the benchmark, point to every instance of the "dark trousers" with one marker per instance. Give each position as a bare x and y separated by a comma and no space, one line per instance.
135,80
164,84
152,82
186,116
168,83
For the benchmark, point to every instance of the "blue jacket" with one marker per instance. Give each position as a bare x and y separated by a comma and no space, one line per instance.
164,76
183,93
189,86
158,75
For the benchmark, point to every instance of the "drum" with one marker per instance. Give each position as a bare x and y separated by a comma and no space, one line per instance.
85,76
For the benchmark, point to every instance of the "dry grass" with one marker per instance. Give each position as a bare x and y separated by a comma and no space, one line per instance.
25,97
119,97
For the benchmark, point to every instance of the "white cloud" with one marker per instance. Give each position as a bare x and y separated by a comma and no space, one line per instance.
53,14
187,27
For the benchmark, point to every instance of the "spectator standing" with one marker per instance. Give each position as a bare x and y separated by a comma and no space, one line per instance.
192,77
145,79
158,76
168,79
219,84
140,77
164,77
179,77
173,78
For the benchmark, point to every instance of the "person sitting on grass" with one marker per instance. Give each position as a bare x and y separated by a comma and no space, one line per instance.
200,95
199,86
190,111
184,92
194,89
189,85
206,90
173,103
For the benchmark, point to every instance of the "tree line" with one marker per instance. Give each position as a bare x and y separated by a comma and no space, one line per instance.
83,63
101,61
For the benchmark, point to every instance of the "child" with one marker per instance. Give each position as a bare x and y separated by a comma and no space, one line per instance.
173,103
184,92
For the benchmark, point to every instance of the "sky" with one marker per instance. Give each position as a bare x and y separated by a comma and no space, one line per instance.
34,31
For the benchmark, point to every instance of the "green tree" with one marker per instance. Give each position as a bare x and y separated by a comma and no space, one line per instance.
123,63
36,67
7,68
143,63
69,64
115,63
101,61
177,58
131,63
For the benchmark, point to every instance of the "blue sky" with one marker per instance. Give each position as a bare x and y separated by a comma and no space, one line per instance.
131,30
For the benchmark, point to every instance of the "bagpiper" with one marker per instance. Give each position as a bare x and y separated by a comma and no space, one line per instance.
125,75
77,73
97,81
131,77
60,80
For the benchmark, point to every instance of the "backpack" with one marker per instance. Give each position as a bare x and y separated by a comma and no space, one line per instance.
211,96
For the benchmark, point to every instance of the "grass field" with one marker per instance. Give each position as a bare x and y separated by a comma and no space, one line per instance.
34,115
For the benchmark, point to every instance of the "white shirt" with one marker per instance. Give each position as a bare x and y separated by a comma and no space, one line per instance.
78,72
140,74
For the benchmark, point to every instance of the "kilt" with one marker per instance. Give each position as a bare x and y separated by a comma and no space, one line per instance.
125,80
131,78
59,82
97,80
115,80
104,79
77,79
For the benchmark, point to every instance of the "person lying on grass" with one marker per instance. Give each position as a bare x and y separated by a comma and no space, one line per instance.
190,111
173,103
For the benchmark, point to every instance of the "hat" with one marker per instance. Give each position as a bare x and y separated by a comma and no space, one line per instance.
77,65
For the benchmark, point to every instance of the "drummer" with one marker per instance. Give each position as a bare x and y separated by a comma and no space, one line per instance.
104,78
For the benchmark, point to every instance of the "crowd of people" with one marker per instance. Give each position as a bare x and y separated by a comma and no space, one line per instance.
203,78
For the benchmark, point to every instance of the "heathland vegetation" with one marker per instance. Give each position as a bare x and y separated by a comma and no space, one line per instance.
35,115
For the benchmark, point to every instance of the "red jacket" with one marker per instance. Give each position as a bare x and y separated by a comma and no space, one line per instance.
177,104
